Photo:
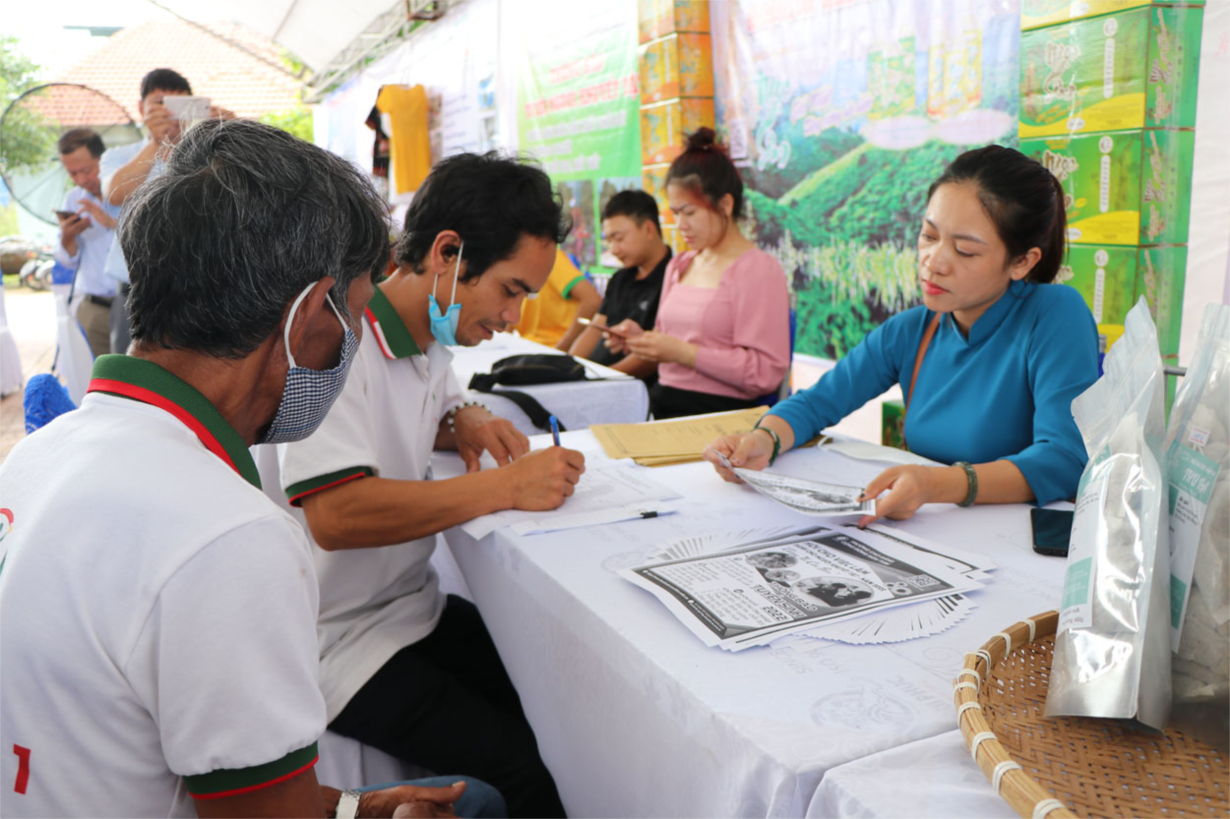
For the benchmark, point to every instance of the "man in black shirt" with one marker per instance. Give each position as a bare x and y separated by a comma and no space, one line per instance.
632,232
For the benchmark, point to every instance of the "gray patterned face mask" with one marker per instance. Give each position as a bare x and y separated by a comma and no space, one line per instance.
309,394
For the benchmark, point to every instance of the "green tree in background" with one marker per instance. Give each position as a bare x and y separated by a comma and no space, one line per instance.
296,121
24,141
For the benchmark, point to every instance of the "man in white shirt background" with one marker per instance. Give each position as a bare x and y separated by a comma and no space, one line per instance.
126,167
87,228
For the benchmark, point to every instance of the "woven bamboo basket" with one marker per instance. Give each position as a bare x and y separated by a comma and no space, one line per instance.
1074,766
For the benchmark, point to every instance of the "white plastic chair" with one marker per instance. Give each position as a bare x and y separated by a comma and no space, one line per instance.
10,359
74,361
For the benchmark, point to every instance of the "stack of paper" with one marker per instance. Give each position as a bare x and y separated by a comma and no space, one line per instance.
837,583
605,494
897,625
921,619
659,443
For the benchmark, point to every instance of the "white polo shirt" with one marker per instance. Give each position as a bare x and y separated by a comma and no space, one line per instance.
375,601
158,612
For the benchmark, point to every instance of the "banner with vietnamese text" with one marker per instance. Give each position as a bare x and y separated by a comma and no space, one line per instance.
577,98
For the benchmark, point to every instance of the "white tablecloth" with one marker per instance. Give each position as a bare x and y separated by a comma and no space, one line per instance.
934,778
577,404
636,717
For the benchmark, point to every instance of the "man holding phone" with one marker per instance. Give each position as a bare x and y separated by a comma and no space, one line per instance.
633,232
87,231
125,168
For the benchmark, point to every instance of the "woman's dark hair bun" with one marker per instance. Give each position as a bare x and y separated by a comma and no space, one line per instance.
705,167
702,139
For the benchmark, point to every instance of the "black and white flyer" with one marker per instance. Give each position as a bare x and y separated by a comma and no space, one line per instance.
748,596
808,497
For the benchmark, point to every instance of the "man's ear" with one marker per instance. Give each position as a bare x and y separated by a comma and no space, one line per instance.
442,259
305,317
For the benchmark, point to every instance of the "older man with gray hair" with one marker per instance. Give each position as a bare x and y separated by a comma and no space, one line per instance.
159,643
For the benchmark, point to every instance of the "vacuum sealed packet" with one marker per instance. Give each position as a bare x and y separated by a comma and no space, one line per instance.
1198,472
1112,645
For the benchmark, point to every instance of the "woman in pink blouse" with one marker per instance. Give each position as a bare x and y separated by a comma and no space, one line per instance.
722,336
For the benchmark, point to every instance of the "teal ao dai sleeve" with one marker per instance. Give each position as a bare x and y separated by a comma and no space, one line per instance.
1003,392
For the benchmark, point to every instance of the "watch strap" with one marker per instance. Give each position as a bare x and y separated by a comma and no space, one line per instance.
347,805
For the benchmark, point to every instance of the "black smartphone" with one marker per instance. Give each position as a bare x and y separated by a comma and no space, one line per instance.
66,214
1052,529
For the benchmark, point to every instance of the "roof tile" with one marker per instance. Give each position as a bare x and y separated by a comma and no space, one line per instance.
231,77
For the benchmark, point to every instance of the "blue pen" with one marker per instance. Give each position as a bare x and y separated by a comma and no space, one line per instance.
555,429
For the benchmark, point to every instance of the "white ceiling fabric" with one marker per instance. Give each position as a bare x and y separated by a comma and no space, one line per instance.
315,31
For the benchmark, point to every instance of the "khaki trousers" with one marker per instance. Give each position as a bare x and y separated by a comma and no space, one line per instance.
96,321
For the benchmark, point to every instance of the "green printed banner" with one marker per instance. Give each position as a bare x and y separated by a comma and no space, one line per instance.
578,96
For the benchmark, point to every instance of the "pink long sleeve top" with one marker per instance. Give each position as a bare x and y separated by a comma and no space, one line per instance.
742,327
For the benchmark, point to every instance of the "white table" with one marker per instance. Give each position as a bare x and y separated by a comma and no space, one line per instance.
636,717
617,398
934,778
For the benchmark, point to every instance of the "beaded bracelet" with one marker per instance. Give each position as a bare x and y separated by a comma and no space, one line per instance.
451,414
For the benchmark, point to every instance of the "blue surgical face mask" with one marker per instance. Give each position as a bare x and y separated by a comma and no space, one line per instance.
309,394
444,324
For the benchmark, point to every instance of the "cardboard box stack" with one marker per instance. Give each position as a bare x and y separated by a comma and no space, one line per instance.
1108,104
676,67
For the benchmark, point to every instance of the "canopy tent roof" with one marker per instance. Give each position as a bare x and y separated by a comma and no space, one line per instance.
317,32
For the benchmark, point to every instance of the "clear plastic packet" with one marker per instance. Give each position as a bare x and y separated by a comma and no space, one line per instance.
1112,646
1198,473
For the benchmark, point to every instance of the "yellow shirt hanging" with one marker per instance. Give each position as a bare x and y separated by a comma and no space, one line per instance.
409,143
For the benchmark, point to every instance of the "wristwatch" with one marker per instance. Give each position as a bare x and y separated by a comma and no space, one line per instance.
347,805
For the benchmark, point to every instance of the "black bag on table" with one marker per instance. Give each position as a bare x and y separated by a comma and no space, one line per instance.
525,370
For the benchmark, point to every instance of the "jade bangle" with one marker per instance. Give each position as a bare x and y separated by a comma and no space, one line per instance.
972,479
777,442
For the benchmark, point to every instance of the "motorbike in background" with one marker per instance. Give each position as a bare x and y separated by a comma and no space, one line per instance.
30,262
36,273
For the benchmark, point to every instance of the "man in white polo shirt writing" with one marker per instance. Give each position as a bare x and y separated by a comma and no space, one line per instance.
159,641
402,667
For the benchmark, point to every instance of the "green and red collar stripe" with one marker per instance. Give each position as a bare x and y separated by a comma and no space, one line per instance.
390,331
145,381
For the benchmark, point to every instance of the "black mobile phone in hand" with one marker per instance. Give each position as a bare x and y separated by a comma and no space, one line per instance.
1052,530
